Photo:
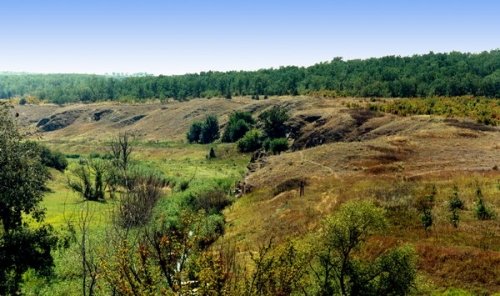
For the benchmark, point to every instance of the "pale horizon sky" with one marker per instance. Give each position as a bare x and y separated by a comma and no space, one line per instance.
191,36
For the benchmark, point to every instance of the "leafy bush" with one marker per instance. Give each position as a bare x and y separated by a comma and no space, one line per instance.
235,131
266,144
276,146
274,122
54,159
193,136
141,174
455,202
144,191
204,132
424,205
211,230
250,142
339,272
181,185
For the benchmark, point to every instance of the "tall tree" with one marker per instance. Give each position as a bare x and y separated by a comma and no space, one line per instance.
22,183
209,130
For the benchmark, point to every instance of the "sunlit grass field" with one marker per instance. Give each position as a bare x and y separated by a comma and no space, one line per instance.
64,207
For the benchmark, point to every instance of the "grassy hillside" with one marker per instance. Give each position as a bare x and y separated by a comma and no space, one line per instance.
340,151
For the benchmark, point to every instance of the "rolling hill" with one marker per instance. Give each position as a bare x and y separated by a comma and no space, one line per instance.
341,151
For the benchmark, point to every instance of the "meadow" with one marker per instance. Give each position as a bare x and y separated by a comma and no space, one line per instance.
411,165
64,207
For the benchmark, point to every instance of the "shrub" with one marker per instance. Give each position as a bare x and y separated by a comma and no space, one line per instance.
276,146
212,201
211,153
274,122
89,180
211,230
204,132
266,144
53,159
235,131
455,204
238,125
136,206
424,205
94,154
481,212
193,136
182,185
250,142
137,203
339,272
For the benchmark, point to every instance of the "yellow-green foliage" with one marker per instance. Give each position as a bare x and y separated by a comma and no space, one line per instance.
179,161
483,110
325,93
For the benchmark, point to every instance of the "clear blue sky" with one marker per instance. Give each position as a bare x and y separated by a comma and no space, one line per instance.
190,36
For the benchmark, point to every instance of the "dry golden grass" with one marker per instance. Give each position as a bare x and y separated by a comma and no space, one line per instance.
412,154
377,156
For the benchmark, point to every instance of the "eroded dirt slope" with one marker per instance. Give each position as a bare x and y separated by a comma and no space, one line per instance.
327,138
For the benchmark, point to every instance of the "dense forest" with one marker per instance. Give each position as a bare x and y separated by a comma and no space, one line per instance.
433,74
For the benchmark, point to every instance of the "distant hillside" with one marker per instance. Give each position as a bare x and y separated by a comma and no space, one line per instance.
433,74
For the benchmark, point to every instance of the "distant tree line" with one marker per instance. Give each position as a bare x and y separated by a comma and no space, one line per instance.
433,74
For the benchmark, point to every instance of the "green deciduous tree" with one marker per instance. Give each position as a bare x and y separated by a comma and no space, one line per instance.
238,125
277,270
339,267
22,183
274,122
204,132
193,135
250,142
209,130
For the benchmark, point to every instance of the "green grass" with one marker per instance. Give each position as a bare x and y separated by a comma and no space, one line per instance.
179,161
